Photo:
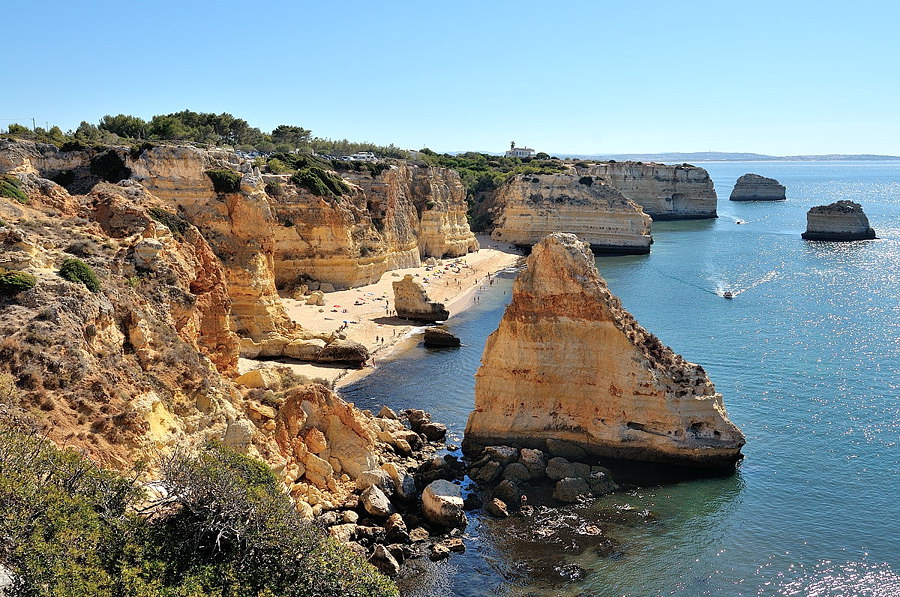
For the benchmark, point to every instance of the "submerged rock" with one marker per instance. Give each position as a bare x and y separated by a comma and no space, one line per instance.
412,302
569,363
839,221
753,187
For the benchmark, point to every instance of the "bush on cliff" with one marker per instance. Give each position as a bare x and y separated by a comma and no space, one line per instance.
319,182
174,222
76,270
12,282
224,528
225,181
11,187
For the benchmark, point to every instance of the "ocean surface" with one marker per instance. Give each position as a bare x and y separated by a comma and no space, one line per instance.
807,356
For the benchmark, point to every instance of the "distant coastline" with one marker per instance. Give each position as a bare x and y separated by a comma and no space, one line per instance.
718,156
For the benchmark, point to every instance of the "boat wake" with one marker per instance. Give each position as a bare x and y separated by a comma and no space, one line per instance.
733,290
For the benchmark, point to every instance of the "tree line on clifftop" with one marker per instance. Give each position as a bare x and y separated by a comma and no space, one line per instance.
218,130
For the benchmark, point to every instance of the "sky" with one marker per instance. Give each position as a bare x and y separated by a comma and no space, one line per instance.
582,77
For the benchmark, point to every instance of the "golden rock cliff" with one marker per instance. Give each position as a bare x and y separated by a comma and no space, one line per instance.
569,363
387,221
665,192
531,206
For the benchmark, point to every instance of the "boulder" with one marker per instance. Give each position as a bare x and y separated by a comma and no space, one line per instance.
395,529
439,337
601,482
753,187
534,460
442,504
260,378
433,431
516,472
567,450
571,490
497,508
384,561
502,454
376,502
487,474
316,298
560,468
412,302
344,351
508,491
304,350
377,477
343,533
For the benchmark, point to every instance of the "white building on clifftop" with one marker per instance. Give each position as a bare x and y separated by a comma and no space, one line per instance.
519,152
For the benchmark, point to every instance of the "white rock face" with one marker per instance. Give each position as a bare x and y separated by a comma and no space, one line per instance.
753,187
840,221
533,206
442,504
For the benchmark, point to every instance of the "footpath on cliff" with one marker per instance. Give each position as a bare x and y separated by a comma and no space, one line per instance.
366,313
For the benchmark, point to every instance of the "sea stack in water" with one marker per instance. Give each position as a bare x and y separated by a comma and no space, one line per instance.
842,220
569,363
412,302
753,187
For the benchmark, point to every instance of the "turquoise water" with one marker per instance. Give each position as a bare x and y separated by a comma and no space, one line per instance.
807,357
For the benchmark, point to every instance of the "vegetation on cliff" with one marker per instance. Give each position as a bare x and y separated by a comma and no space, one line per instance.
216,524
200,127
225,181
12,282
11,188
76,270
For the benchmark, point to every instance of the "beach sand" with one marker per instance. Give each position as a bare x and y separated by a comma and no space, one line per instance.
369,309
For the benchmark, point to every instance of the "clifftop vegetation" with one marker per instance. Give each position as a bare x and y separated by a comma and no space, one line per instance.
203,128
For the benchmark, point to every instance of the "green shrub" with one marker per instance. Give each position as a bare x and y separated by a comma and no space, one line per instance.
276,166
12,188
274,189
174,222
586,181
69,528
139,148
76,270
225,181
319,182
12,282
73,146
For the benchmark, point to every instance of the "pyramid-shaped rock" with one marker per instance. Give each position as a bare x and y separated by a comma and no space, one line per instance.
569,363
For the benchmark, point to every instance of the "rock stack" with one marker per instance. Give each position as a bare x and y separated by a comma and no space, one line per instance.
412,302
839,221
569,363
753,187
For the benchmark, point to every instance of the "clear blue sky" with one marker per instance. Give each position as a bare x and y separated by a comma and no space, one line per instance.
779,77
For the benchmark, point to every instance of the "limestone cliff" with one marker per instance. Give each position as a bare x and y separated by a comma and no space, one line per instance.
569,363
531,206
753,187
144,363
665,192
839,221
387,221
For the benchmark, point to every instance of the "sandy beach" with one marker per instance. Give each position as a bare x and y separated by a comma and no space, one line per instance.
368,310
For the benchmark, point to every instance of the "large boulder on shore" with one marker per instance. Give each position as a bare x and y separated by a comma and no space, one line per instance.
439,337
442,504
753,187
344,351
839,221
412,302
569,363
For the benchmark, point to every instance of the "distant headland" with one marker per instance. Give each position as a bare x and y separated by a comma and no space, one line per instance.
715,156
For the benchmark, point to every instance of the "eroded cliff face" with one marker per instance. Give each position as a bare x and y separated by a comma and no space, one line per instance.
665,192
146,363
529,207
386,222
569,363
838,221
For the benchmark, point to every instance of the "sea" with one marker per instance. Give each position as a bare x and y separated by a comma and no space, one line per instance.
807,357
